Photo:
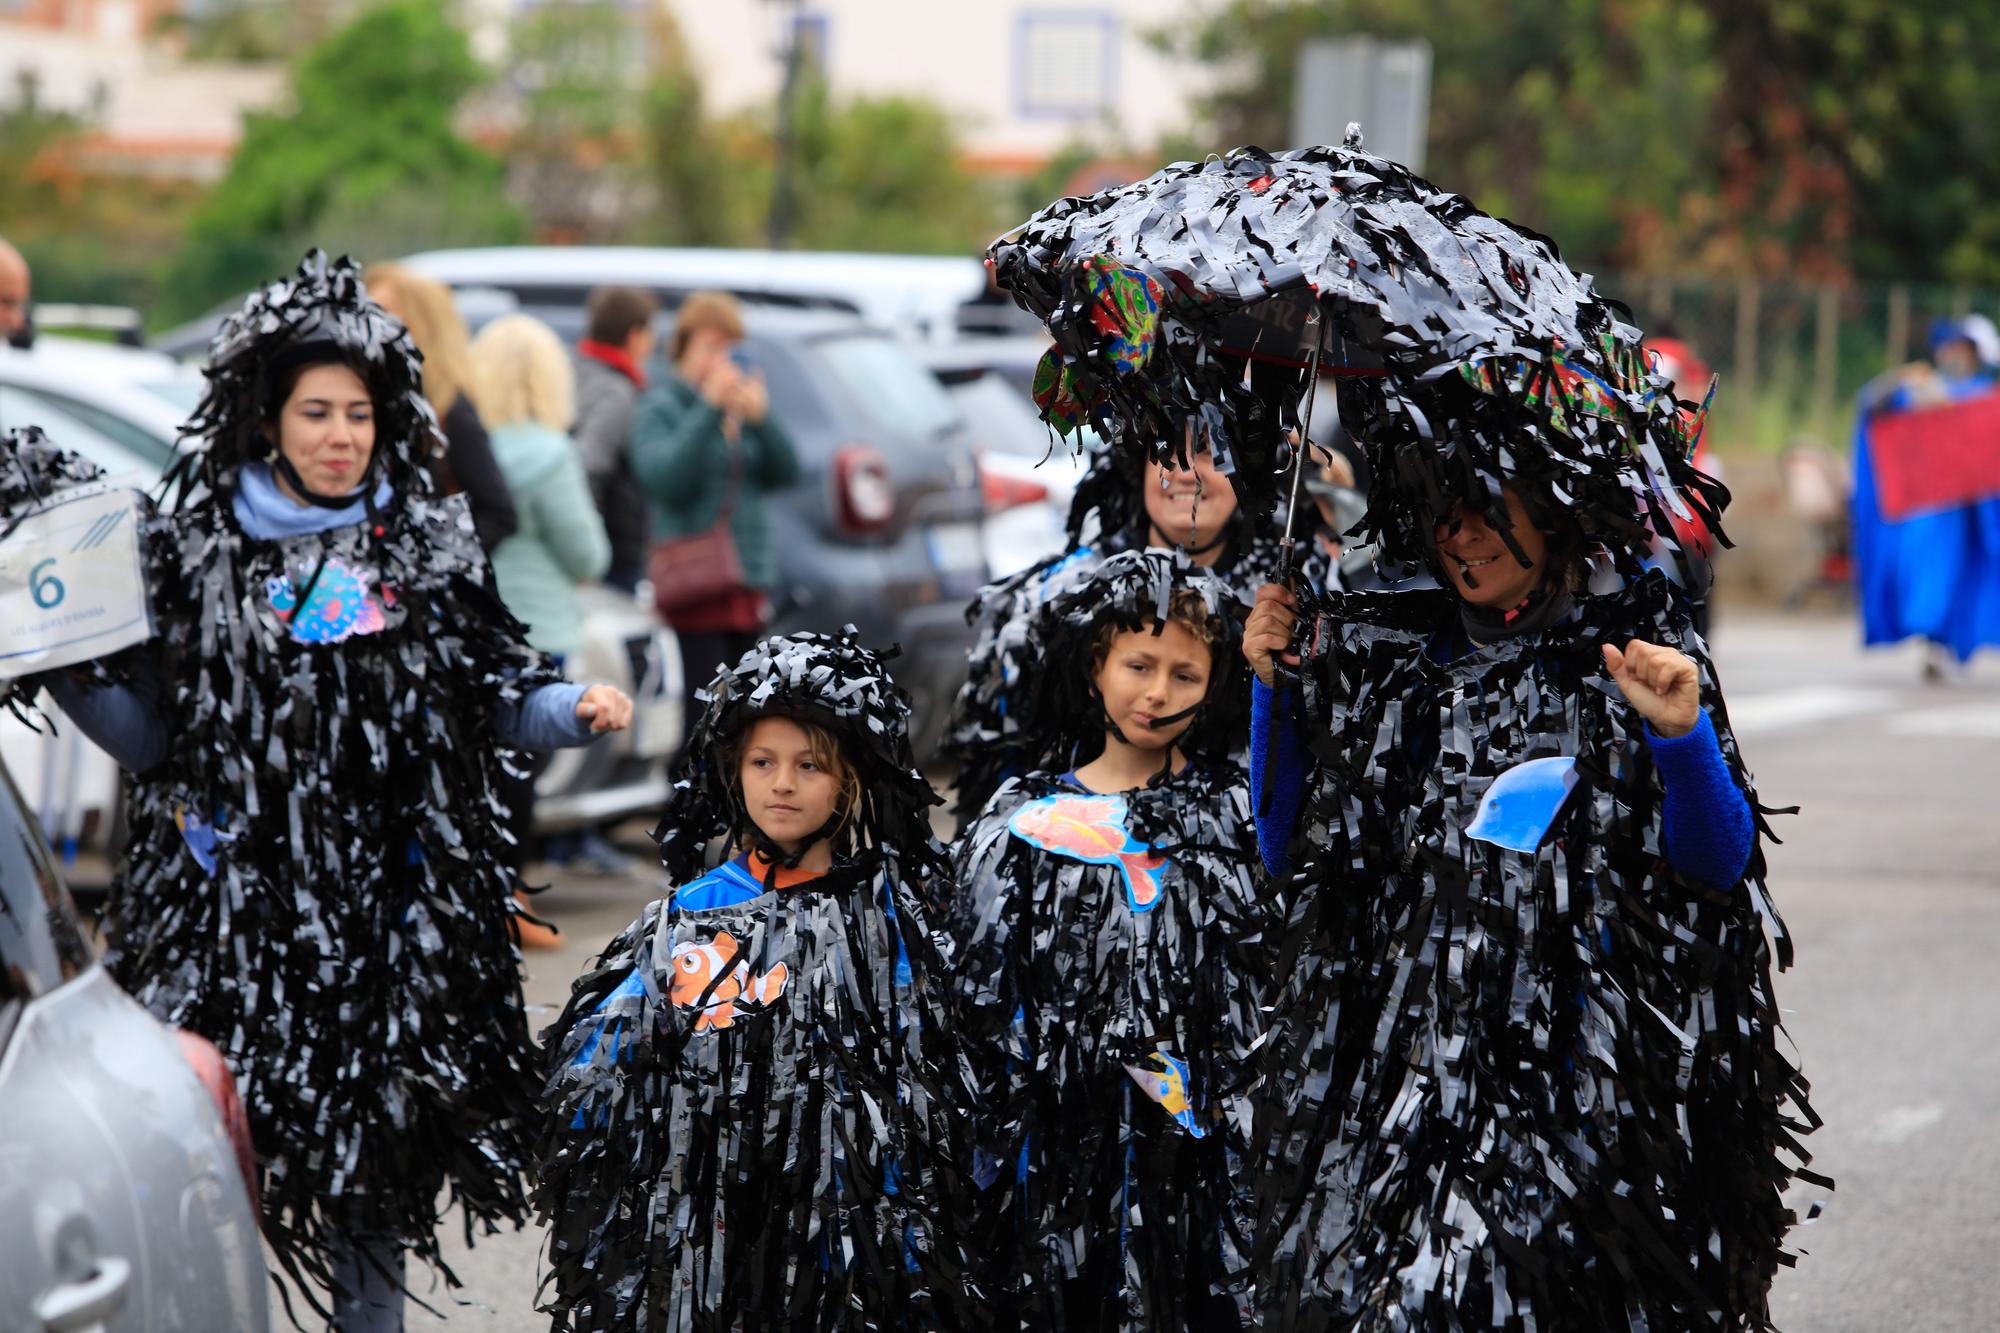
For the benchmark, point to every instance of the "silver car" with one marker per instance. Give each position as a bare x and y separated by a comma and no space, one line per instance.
126,1173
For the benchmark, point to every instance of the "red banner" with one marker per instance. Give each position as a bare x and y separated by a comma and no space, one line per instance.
1936,457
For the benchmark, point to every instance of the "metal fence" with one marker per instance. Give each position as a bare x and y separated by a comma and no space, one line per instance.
1793,356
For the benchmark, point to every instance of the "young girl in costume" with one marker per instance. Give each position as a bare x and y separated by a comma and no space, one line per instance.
754,1101
1109,970
318,877
1124,503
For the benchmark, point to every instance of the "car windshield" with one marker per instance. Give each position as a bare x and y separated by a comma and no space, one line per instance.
40,947
184,394
121,464
888,385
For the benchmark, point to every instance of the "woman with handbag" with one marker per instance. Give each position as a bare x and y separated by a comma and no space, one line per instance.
707,451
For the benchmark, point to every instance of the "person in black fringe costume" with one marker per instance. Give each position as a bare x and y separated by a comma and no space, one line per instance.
1122,503
1111,962
755,1103
1533,1080
1527,1072
316,878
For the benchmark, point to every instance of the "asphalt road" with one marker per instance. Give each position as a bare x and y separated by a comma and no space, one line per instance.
1889,877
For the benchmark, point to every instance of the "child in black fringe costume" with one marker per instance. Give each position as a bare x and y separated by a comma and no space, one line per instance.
755,1101
1535,1081
317,876
1121,504
1111,962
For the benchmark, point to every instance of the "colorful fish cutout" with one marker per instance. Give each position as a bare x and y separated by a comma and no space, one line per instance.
1166,1081
1125,311
341,605
201,836
695,986
1092,829
1521,806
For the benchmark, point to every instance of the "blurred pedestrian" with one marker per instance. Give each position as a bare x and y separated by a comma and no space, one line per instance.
1930,572
316,878
426,308
522,375
611,362
708,452
15,282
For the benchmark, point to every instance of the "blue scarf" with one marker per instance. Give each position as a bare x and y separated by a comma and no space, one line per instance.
268,514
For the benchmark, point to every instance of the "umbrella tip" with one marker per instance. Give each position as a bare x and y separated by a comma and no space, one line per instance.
1352,139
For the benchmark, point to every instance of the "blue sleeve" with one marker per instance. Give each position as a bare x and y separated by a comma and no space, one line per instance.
123,720
545,720
1709,828
1277,770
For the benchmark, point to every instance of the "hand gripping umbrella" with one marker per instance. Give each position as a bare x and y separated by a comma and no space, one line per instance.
1203,303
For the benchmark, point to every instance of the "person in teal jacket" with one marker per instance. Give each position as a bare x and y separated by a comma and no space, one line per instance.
707,419
528,390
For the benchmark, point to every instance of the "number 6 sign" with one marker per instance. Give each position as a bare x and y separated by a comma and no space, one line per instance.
72,581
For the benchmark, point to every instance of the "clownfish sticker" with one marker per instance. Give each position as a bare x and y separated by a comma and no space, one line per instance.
1165,1080
1092,829
713,978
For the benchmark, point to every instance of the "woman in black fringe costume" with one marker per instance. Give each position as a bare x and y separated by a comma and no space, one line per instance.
754,1101
316,879
1111,959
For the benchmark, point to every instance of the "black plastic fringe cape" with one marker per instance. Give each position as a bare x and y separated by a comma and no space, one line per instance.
1531,1091
783,1162
1104,1210
350,952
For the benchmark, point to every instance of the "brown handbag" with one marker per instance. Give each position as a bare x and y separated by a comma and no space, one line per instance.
699,567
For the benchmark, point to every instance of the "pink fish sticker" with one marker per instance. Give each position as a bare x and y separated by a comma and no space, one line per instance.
341,605
1091,829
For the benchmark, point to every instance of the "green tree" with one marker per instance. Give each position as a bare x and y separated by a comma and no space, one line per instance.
710,178
367,160
1572,116
1814,137
888,174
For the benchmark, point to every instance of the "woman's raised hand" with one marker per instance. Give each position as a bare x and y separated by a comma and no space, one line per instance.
1267,634
1662,684
606,708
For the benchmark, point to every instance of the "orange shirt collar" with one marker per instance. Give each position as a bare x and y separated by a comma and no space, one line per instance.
760,870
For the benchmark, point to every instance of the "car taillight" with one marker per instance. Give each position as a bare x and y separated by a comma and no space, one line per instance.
214,1074
862,490
1006,492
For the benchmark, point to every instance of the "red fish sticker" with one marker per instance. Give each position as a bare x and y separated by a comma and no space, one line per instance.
714,979
1092,829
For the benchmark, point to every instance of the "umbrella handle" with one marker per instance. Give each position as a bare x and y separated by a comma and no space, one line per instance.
1288,568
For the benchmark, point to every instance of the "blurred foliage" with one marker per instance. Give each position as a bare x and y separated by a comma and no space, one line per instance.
242,30
88,236
367,161
883,173
574,82
1822,138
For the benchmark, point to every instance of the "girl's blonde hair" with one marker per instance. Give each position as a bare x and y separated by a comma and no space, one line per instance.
431,315
520,372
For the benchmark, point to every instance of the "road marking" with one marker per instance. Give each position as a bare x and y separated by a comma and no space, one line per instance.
1785,709
1979,721
1899,1123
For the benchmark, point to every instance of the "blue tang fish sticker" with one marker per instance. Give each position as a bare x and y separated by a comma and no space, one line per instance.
1522,804
1165,1080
